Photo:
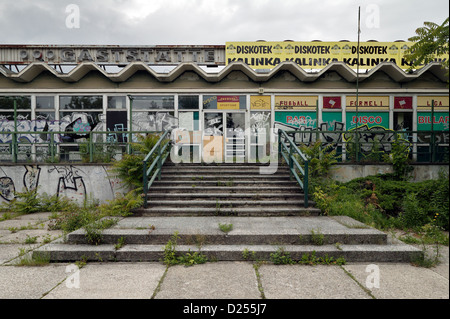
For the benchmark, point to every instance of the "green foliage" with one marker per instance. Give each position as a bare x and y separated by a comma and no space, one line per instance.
384,202
321,158
399,158
281,257
25,202
122,204
430,39
171,257
130,168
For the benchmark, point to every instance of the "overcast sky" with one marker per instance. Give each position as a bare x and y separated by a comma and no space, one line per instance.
214,22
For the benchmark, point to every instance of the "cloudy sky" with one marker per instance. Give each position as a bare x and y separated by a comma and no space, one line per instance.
197,22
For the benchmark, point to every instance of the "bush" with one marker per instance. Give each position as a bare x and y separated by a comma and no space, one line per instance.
384,202
130,168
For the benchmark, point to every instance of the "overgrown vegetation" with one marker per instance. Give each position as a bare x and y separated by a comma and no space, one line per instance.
385,202
172,257
130,168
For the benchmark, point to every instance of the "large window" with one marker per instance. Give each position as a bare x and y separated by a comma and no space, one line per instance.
153,113
45,108
79,115
23,107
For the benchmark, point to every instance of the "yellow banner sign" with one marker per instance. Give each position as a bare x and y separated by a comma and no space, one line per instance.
368,101
260,102
295,102
317,55
228,102
427,101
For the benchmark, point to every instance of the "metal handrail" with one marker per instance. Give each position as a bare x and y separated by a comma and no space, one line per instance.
288,152
161,152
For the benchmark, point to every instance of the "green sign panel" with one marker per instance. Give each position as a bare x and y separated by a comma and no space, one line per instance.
332,121
367,118
440,121
297,119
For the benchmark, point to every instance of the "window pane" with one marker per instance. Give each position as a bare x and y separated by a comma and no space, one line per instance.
153,102
154,121
22,102
45,102
188,102
80,102
116,102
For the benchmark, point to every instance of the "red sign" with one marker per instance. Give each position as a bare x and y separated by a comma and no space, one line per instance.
403,102
332,102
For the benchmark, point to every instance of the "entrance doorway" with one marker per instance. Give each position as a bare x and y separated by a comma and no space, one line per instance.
224,136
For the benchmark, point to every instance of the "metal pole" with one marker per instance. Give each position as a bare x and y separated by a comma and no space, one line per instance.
432,132
357,86
14,144
130,126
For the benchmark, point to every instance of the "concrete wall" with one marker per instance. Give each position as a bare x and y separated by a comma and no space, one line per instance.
84,181
75,181
347,172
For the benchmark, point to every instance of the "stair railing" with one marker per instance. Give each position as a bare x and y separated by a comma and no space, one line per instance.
292,154
158,155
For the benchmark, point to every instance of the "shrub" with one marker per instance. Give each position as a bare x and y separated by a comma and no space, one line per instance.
130,168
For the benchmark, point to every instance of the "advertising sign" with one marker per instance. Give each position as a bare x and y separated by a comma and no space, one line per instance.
260,102
403,102
317,55
440,102
367,118
297,119
368,102
440,121
296,102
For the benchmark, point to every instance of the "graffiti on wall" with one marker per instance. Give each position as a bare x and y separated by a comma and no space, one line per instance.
369,139
73,182
77,126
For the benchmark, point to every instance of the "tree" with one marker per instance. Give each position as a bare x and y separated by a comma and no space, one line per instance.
431,41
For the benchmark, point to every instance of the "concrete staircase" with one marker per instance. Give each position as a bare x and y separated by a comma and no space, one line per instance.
225,190
266,212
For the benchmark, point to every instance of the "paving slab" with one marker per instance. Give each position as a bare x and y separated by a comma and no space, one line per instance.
223,280
111,281
308,282
8,252
29,282
400,281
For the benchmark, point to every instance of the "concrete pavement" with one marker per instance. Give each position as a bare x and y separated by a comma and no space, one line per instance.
213,280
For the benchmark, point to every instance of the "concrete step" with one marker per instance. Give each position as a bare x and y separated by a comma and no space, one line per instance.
254,210
155,253
146,237
189,181
218,204
155,197
199,189
246,230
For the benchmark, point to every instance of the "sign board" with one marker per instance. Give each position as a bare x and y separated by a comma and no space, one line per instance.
367,118
260,102
440,121
112,54
317,54
368,102
296,102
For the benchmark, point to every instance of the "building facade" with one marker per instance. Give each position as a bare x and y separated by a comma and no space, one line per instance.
60,101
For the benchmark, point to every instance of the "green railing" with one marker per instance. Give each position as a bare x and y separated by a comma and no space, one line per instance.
154,161
291,154
354,146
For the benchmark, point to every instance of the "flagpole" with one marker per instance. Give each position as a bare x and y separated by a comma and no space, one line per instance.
357,83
